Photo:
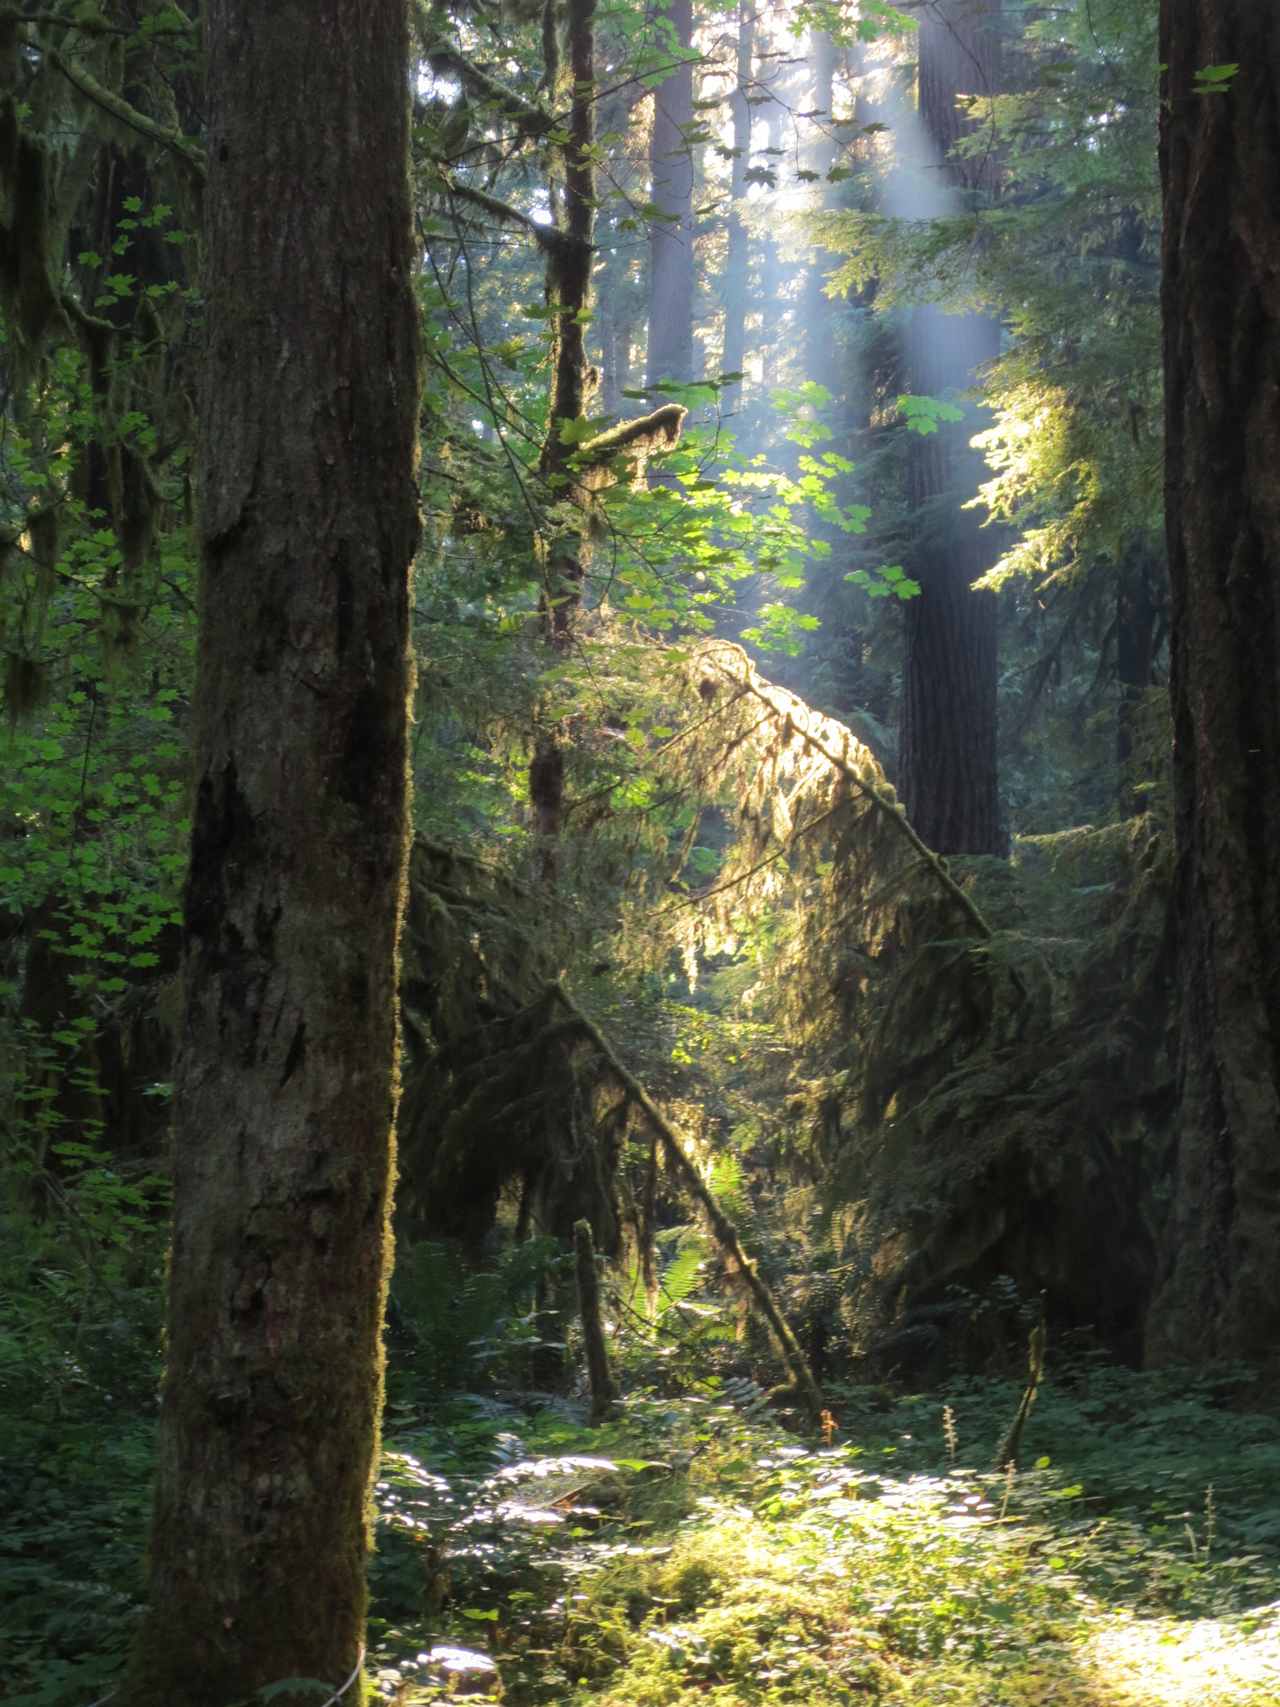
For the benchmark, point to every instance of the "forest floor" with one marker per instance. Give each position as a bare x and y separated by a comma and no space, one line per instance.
691,1553
696,1551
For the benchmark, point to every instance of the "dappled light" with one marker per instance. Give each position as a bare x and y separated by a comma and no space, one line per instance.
638,888
711,1555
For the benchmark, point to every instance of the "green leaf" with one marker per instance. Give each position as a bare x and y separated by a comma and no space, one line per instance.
1215,79
575,432
923,414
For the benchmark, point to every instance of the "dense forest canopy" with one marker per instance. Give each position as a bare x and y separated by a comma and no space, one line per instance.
639,666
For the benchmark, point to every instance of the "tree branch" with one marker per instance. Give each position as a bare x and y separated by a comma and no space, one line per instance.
883,803
118,108
547,237
531,120
804,1386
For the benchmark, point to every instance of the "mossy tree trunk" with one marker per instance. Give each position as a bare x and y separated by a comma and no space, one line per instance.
568,295
286,1081
1220,166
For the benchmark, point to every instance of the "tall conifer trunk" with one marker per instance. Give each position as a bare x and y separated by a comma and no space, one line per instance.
286,1081
949,771
737,271
1220,165
671,236
816,308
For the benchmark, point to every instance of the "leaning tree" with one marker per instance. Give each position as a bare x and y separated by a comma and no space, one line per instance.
286,1083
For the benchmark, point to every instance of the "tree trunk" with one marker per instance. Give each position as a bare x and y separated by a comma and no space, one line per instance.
604,1392
615,323
568,295
671,233
769,339
737,268
949,776
286,1082
816,308
1220,166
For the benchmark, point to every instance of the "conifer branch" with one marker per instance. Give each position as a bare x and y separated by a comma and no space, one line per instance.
881,800
547,237
804,1386
531,120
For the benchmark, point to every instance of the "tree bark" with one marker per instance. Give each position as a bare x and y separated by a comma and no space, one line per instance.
1220,167
568,295
670,353
949,773
615,323
769,339
286,1083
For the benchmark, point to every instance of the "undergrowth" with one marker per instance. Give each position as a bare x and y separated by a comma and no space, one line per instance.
693,1551
687,1552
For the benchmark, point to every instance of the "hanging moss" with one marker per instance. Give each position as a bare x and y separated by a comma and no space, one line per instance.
1025,1150
983,1045
28,297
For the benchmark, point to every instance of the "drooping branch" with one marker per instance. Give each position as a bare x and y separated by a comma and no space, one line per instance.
792,711
803,1385
532,121
547,237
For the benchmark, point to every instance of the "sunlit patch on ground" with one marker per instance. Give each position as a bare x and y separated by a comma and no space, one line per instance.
1170,1662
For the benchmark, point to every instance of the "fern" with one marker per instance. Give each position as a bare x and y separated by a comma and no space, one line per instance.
681,1278
726,1183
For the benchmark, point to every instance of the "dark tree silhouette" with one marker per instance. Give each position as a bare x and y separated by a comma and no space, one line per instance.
1220,166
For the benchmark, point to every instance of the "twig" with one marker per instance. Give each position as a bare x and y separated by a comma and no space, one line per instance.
338,1694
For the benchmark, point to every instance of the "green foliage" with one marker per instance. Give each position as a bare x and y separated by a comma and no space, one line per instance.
462,1326
76,1500
923,415
680,1551
80,1303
